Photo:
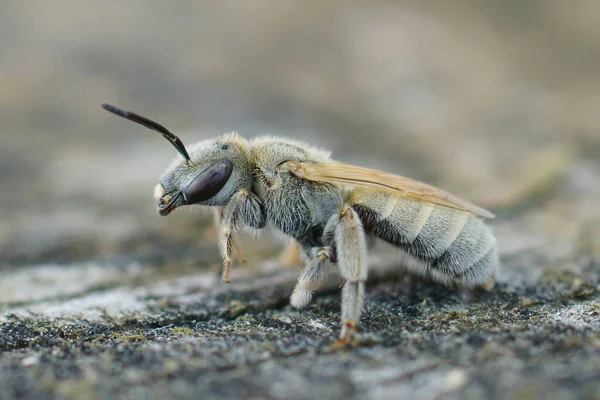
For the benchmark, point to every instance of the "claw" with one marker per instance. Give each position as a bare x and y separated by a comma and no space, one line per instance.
339,344
347,333
226,272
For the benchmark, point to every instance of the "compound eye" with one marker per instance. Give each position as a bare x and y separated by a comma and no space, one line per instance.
209,182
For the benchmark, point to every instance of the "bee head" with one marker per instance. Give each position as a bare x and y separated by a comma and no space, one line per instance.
209,174
217,168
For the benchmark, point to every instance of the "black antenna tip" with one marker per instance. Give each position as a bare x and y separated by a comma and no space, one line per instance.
115,110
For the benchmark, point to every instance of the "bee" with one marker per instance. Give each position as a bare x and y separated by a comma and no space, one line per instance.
330,209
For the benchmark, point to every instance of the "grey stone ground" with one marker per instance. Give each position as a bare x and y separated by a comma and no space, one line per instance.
101,298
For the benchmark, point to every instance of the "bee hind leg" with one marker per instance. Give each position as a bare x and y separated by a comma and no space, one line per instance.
351,247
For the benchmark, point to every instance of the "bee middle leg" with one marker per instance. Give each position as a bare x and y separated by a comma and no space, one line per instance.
312,278
291,255
351,245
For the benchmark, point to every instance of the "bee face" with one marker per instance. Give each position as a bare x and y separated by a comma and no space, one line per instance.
215,171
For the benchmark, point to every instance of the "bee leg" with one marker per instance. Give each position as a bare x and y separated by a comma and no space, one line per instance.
240,253
211,233
312,277
227,240
351,247
244,206
292,254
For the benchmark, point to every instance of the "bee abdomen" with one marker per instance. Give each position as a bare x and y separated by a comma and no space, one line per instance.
471,257
450,245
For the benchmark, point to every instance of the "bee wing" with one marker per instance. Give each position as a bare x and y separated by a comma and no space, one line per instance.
370,178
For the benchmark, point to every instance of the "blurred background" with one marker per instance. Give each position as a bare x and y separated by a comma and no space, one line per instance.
497,102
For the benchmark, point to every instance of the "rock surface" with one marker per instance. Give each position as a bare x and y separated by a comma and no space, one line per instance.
101,299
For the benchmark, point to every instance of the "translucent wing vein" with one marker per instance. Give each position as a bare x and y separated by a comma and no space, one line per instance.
370,178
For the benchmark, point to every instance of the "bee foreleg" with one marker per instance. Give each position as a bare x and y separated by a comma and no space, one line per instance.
211,233
243,206
352,262
312,278
227,240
